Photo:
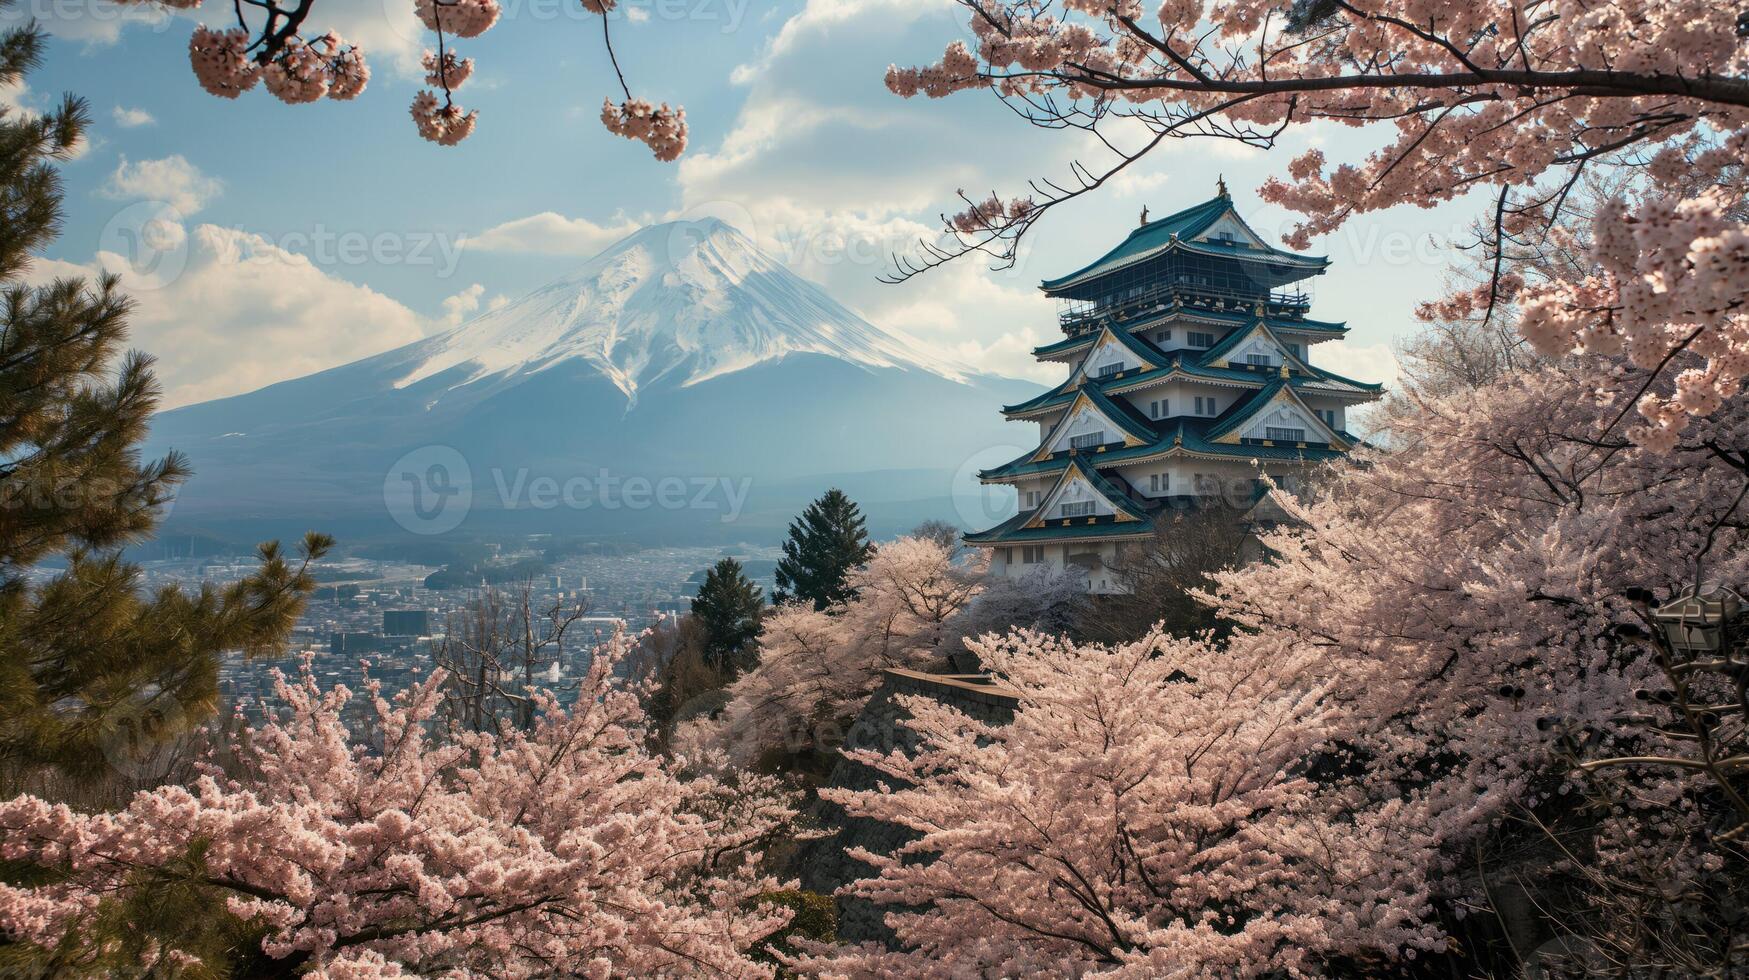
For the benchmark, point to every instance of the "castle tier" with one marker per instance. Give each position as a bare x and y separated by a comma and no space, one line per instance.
1189,355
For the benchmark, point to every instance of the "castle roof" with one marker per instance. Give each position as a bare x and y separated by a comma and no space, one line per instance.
1320,329
1179,231
1198,365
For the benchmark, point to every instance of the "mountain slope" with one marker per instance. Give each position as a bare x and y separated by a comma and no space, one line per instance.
678,303
681,353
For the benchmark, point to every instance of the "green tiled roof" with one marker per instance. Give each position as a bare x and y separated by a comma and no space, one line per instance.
1011,531
1064,393
1120,413
1326,327
1191,435
1119,497
1177,228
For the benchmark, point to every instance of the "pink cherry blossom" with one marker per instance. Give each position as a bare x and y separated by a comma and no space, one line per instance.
220,63
1520,101
440,122
662,129
480,854
447,72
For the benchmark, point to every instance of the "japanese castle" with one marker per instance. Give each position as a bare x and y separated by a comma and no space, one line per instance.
1189,354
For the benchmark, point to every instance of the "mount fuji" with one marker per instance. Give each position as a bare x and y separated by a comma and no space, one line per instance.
681,353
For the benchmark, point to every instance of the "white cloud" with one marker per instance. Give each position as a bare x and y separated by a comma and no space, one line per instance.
94,23
129,118
236,313
551,233
461,307
172,180
1131,181
833,175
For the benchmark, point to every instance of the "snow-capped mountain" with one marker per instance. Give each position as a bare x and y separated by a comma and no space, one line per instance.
679,303
681,351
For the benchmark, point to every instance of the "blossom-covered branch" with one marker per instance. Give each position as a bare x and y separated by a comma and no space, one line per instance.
268,46
1521,98
487,854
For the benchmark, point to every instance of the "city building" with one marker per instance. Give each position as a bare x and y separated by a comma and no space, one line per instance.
1189,355
406,622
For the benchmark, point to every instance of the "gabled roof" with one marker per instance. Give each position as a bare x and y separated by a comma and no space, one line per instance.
1179,436
1315,328
1315,380
1177,231
1226,430
1127,507
1147,353
1213,356
1135,431
1015,531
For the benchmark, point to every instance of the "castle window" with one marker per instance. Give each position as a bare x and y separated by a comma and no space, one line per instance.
1257,360
1285,435
1205,406
1077,508
1159,482
1107,370
1032,554
1200,339
1087,440
1294,349
1162,336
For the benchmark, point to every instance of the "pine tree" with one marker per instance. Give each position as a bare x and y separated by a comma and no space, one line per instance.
727,608
825,543
90,666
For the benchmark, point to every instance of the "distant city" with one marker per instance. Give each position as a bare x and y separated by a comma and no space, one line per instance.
380,615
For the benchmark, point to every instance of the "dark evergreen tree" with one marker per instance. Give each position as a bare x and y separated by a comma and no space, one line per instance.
90,666
727,611
824,544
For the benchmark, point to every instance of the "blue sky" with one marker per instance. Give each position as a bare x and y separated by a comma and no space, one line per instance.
309,236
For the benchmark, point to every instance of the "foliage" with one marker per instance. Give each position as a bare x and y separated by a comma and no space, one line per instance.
1144,814
92,670
727,608
1444,635
818,667
824,544
498,652
1049,599
815,919
298,66
1159,574
486,854
1480,95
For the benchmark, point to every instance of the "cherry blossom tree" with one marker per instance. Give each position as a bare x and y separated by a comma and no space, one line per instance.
1449,646
1512,99
818,667
567,848
1149,812
270,44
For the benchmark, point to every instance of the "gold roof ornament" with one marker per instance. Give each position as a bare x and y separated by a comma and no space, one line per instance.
1284,367
1221,186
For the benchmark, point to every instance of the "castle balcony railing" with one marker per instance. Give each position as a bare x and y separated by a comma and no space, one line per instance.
1086,317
